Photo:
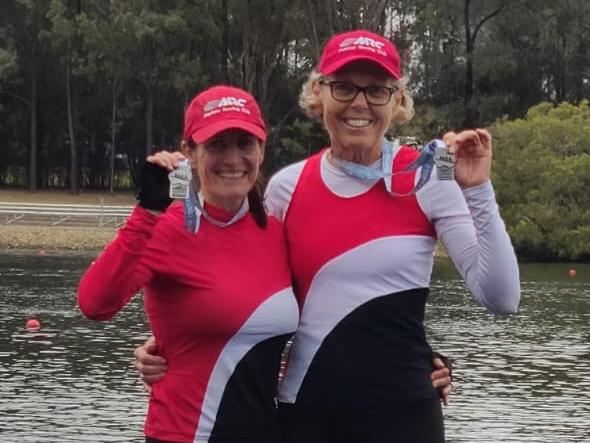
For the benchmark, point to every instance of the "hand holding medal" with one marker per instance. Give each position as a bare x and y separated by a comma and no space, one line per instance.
473,156
155,193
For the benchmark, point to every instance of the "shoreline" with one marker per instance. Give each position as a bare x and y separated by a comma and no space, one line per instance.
29,238
25,237
74,239
65,239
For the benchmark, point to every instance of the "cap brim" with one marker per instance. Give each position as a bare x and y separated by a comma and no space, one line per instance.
333,67
204,134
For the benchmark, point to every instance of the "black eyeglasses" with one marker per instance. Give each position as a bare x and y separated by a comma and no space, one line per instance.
346,92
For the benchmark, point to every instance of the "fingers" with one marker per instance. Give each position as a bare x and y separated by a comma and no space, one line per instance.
166,159
449,139
151,367
438,363
485,137
150,345
441,380
467,138
145,355
473,137
150,373
470,138
445,393
146,387
456,141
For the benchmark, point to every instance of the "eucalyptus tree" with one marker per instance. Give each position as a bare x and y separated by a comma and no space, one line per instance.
23,24
475,17
65,37
153,42
8,69
103,67
201,59
532,55
453,34
260,33
565,40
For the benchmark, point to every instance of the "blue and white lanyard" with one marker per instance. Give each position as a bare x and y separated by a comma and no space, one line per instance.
194,208
363,172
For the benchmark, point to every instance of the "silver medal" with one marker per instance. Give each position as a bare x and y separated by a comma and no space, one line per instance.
180,180
445,163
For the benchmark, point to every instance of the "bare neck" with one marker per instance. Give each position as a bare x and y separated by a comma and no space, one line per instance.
361,156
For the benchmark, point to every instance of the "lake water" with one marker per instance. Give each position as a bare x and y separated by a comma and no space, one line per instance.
522,378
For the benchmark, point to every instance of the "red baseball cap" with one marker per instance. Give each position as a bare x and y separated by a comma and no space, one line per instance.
219,108
353,46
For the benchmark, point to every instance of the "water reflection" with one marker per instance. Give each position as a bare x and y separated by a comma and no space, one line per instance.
523,378
71,381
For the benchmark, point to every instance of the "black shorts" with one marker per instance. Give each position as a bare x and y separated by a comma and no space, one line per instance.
415,422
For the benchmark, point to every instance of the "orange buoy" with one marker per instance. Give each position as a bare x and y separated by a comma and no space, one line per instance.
33,324
572,273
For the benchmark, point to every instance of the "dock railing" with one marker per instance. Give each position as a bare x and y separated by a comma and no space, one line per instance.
37,214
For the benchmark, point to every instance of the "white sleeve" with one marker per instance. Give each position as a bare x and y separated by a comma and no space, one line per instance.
280,189
469,225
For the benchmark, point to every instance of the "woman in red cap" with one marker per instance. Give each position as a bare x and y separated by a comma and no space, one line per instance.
217,284
361,219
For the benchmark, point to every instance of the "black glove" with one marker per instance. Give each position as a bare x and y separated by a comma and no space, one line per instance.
154,188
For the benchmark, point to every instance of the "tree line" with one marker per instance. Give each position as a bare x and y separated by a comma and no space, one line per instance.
89,87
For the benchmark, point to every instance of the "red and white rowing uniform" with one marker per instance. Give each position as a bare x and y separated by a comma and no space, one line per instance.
362,261
221,307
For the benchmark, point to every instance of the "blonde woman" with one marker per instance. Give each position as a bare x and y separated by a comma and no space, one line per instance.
361,228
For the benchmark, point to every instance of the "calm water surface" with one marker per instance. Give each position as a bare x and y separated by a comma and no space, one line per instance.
523,378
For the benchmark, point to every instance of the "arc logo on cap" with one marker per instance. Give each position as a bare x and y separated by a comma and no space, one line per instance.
363,43
225,104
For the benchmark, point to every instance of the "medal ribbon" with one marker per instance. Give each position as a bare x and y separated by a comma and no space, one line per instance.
363,172
194,208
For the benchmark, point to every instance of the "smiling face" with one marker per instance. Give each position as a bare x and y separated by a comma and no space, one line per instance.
357,127
227,165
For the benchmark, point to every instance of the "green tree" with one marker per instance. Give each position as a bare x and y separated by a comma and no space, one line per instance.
23,57
153,42
63,15
542,173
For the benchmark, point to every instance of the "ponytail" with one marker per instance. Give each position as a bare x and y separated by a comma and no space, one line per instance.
256,202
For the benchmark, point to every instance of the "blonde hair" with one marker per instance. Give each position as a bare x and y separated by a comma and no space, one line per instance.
312,105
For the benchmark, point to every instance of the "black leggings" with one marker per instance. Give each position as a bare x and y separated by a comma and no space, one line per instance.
416,422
